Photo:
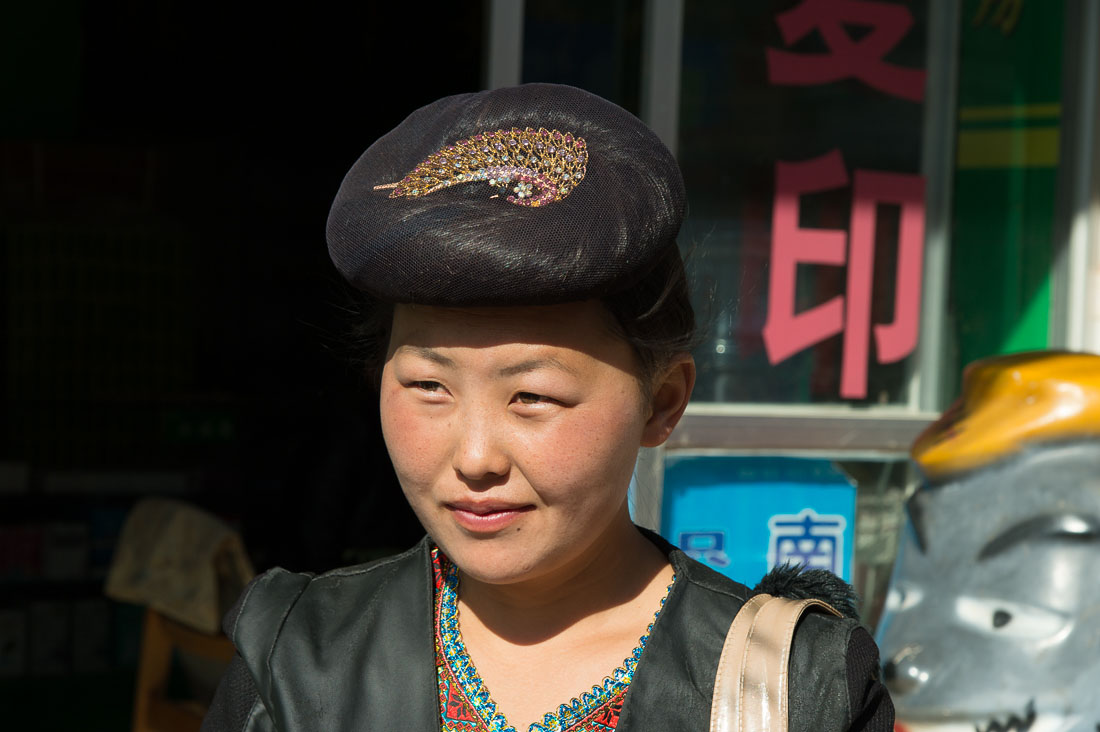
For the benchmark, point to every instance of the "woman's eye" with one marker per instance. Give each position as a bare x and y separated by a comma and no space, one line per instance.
429,386
526,397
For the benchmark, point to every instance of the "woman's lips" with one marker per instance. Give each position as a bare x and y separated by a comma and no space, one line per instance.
486,518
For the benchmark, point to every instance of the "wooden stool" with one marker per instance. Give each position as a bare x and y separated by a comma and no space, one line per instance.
152,711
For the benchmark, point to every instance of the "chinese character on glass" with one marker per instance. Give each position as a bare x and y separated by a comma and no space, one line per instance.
787,332
706,546
807,539
847,57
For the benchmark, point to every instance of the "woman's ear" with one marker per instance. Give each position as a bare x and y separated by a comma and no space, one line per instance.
671,393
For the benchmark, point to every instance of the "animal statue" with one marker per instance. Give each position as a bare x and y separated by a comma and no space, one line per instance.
992,620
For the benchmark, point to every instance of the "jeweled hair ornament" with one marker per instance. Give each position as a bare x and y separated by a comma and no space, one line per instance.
544,165
524,195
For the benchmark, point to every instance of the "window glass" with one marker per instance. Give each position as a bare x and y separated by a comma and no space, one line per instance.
800,137
800,141
594,46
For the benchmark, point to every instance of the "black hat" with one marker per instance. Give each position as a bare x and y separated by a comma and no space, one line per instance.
533,194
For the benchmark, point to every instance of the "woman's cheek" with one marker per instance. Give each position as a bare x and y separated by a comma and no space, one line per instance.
391,421
408,436
592,453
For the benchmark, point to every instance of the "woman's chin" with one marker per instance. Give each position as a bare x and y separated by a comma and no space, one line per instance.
532,545
502,560
494,571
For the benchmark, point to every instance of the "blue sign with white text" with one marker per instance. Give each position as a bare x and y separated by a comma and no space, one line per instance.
745,515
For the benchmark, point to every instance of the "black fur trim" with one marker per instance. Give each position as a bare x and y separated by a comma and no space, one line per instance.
797,583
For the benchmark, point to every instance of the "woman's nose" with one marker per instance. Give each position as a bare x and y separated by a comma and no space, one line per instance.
479,453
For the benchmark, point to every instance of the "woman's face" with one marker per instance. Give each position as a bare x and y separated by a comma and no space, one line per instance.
513,431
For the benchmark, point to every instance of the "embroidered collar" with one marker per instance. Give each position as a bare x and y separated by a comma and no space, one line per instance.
455,655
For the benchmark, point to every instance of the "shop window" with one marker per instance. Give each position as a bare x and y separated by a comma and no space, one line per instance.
800,141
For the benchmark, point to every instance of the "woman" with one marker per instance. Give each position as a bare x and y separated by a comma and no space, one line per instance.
533,330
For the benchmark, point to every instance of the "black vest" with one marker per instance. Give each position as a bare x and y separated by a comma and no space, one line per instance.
353,649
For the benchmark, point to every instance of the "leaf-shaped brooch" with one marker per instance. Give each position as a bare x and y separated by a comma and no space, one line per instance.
540,166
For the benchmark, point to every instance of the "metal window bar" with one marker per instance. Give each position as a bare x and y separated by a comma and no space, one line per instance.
1075,311
504,44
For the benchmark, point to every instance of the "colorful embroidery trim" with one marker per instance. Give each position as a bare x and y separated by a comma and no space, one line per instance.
541,166
470,707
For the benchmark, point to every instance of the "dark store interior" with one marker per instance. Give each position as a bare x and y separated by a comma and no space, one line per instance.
171,323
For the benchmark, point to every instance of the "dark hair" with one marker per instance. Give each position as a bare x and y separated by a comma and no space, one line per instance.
654,315
370,335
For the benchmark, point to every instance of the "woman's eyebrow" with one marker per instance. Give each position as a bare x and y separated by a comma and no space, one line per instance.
429,354
535,364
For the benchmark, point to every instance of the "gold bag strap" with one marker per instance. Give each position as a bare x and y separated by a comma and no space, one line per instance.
750,687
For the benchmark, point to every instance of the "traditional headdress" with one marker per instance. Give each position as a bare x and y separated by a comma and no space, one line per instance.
525,195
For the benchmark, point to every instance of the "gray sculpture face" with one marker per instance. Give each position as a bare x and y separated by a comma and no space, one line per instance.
992,621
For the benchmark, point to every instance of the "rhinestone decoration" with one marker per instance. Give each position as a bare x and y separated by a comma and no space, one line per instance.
534,167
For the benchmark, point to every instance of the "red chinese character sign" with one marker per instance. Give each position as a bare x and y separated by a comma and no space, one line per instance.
800,140
787,332
847,58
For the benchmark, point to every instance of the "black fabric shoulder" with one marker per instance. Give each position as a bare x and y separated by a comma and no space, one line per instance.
871,705
266,602
707,579
270,598
300,635
234,701
818,685
834,678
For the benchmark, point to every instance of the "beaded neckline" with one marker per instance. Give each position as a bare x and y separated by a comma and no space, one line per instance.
567,715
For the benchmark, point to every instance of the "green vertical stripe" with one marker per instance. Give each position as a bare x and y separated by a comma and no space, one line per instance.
1009,107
